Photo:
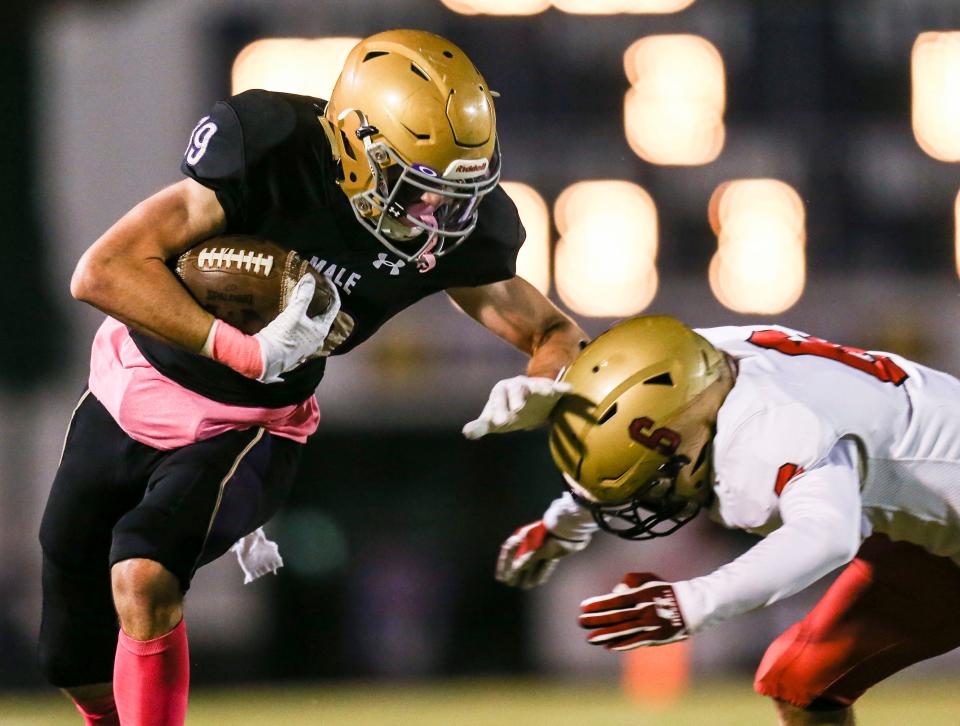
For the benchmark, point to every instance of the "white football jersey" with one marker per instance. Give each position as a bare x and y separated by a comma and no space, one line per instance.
796,396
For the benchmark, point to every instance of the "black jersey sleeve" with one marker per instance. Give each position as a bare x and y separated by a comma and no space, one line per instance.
496,241
261,151
215,158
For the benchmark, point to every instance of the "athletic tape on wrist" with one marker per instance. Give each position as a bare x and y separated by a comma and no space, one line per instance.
236,349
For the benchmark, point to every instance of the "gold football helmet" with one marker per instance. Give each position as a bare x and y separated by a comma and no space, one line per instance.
414,126
633,438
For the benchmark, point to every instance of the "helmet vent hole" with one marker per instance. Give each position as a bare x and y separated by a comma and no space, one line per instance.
447,54
345,142
701,457
419,71
353,176
596,369
421,137
607,415
374,54
664,379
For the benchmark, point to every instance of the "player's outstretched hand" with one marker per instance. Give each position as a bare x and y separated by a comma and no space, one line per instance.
641,610
517,404
529,555
293,335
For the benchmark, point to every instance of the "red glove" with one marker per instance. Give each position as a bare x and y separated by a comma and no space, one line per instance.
529,556
641,610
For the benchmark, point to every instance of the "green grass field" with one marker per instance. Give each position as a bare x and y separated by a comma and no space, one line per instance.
507,702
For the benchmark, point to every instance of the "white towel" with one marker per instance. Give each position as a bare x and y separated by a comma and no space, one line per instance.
257,556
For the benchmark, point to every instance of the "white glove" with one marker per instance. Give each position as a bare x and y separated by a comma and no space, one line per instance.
516,404
529,556
257,555
292,336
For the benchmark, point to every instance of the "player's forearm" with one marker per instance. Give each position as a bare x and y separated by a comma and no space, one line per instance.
555,347
145,295
124,273
821,531
519,313
789,560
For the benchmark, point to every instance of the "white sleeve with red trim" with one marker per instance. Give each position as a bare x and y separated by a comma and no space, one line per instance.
821,530
762,436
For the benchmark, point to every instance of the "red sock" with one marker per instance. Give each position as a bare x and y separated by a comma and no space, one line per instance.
151,679
98,711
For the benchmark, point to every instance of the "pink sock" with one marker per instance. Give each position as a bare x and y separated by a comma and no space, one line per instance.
98,711
227,345
151,679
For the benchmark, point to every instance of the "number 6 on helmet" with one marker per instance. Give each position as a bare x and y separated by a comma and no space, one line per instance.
633,439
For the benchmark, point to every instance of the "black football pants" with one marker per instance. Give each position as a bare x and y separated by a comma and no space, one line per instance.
114,499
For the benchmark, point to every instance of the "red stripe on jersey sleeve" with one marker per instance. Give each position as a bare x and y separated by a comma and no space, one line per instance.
784,475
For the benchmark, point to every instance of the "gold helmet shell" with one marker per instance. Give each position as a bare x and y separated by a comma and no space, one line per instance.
635,432
410,114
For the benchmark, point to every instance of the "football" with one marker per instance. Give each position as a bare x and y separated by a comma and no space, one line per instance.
246,281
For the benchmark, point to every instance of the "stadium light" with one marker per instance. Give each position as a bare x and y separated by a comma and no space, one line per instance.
673,113
605,257
307,66
533,262
579,7
609,7
497,7
760,263
935,77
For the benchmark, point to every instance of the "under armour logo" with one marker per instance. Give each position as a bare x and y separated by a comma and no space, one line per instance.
394,265
666,608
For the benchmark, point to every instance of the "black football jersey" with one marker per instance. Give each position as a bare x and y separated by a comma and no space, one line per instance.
268,159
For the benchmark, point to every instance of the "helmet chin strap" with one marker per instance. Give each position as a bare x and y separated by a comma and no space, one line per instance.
426,261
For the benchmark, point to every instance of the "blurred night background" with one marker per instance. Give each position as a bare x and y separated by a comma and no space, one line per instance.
391,537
